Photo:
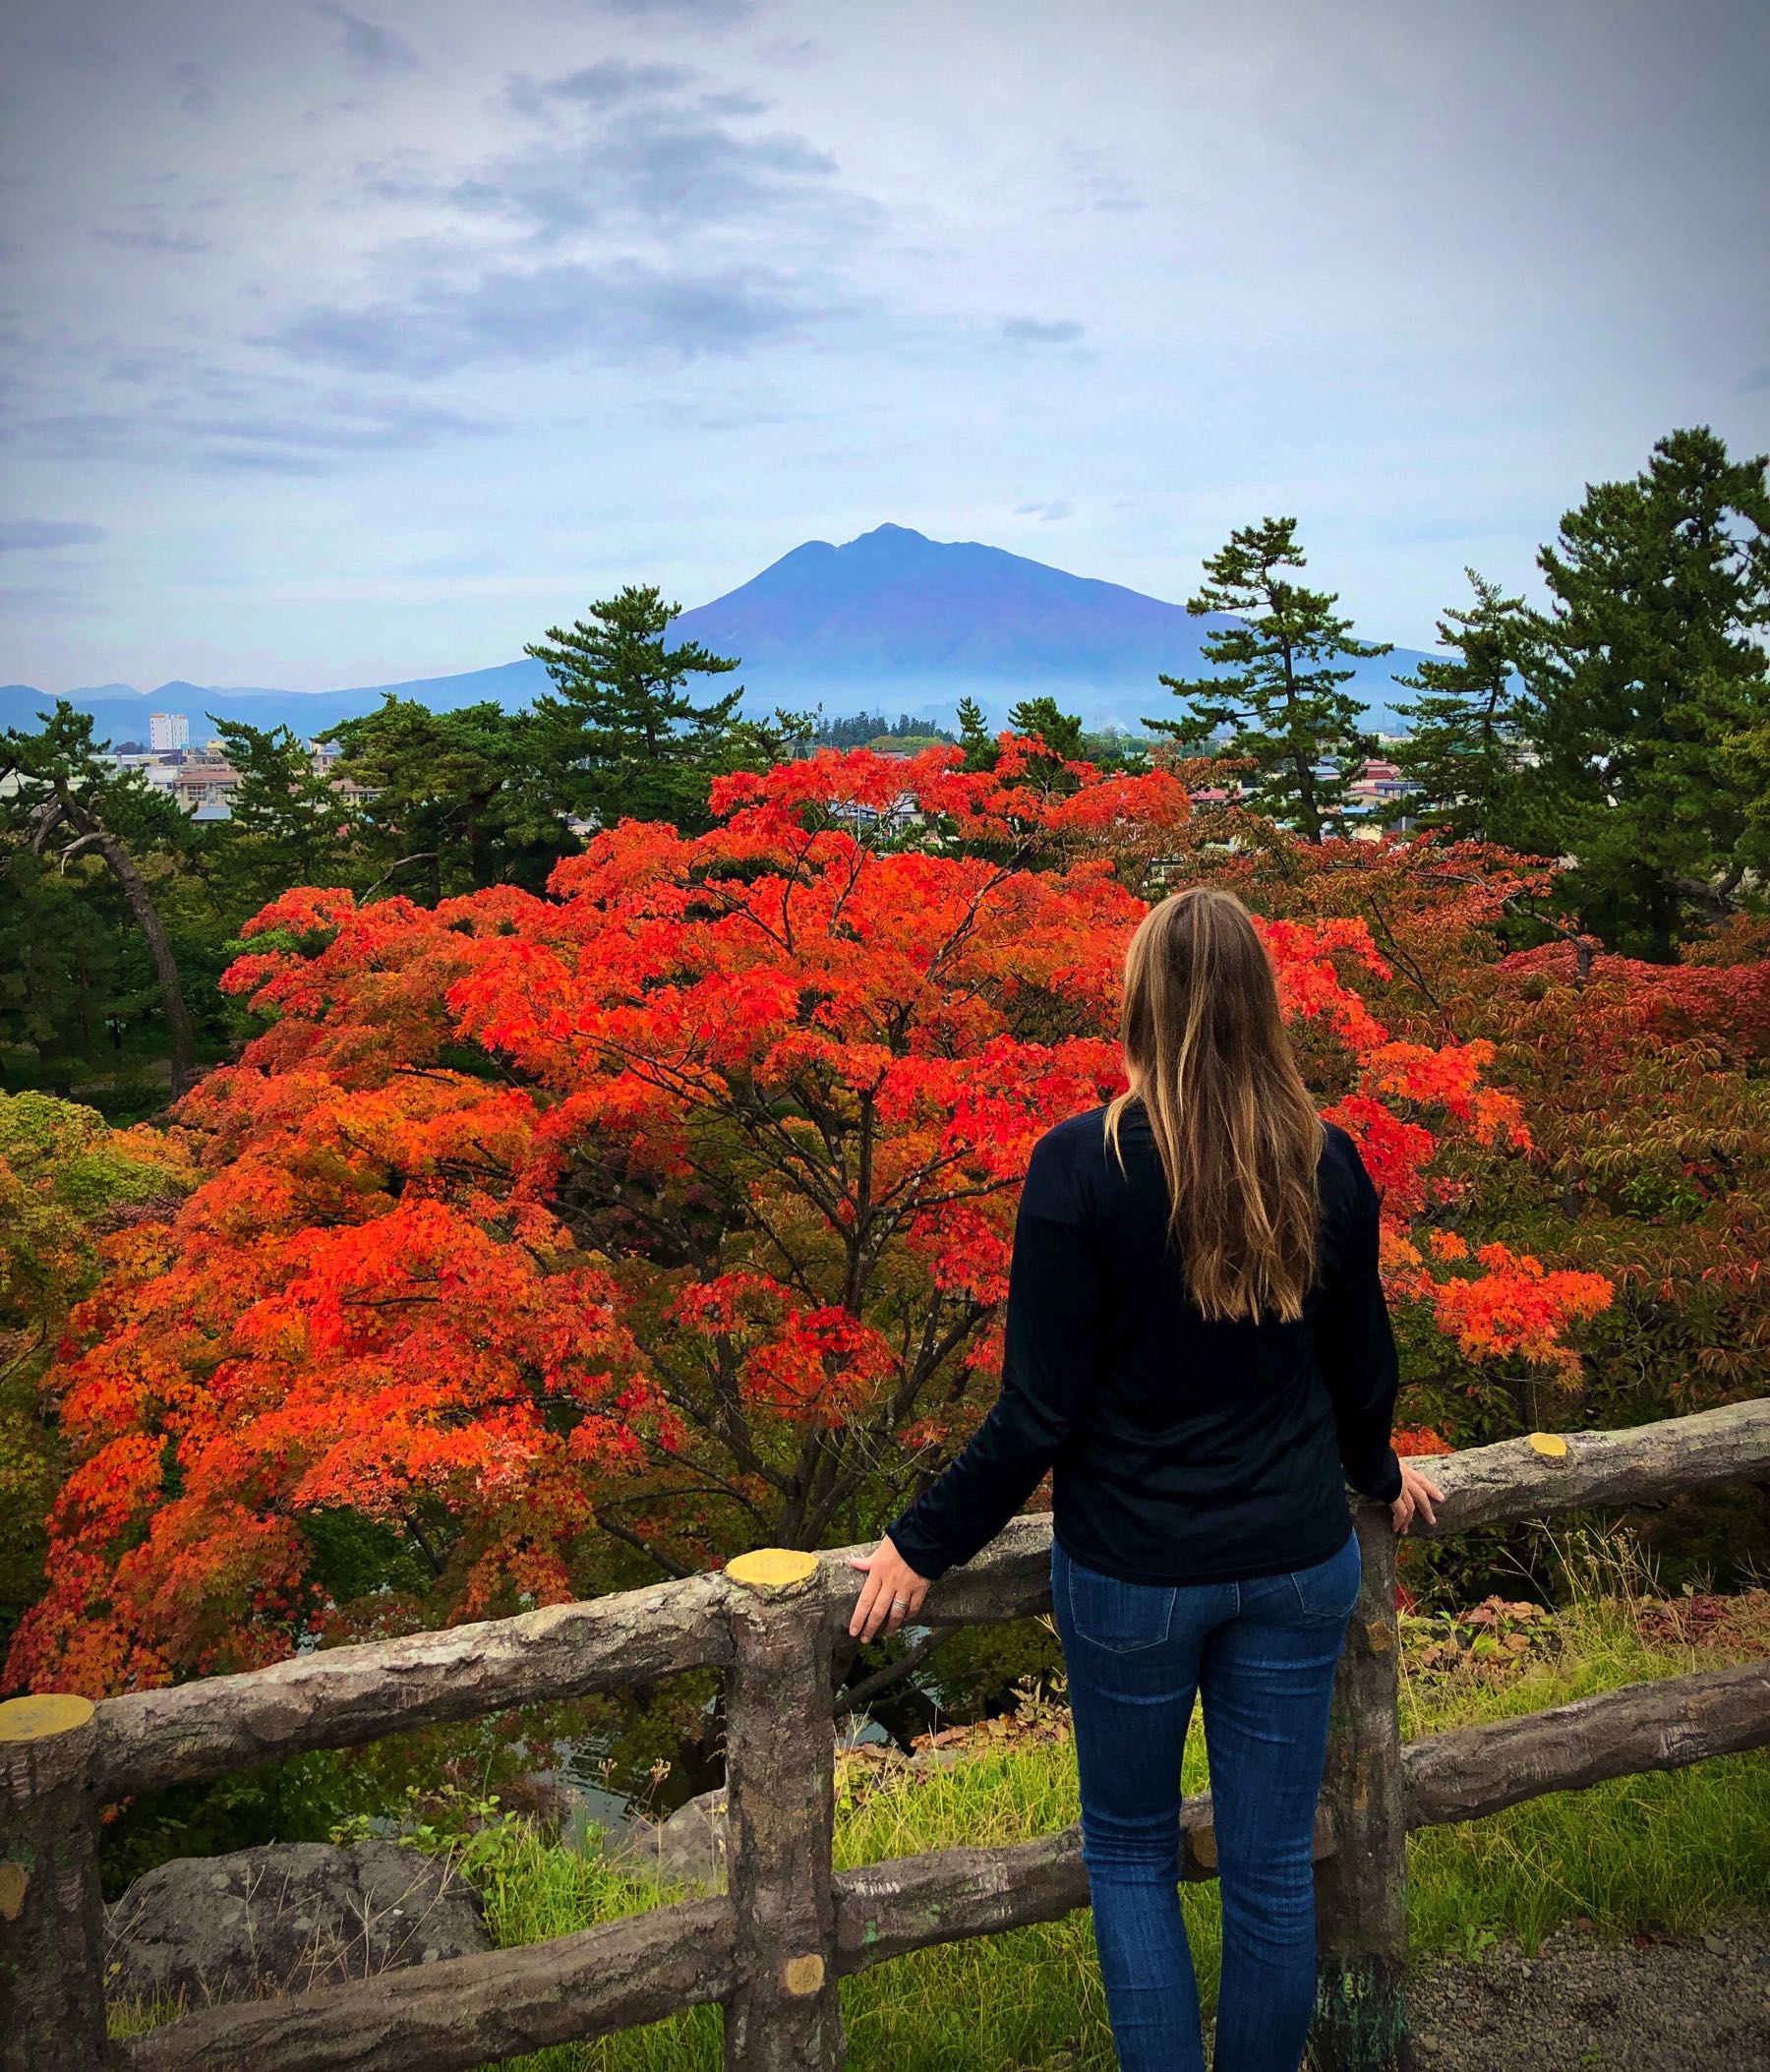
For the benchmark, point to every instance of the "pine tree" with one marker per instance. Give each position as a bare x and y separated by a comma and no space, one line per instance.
1464,752
1279,696
1651,671
975,737
1746,759
758,745
628,739
461,799
280,797
60,799
1061,732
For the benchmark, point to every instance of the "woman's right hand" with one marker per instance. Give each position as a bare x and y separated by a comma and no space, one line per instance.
1417,1495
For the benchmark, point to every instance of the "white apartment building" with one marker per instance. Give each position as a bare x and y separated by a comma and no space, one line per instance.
167,731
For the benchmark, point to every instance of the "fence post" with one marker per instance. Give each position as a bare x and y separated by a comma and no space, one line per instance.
785,2014
51,1917
1361,1889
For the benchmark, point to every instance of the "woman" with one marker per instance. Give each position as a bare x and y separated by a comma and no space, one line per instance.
1196,1341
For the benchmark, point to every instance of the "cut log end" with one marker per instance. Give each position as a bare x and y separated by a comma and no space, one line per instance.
772,1572
38,1717
805,1975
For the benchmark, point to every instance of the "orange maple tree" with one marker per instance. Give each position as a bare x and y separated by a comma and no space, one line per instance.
663,1214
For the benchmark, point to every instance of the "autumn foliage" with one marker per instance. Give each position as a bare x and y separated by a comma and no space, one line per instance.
1649,1089
68,1182
560,1239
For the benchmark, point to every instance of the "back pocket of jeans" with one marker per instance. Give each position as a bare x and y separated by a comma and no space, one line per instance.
1329,1589
1120,1615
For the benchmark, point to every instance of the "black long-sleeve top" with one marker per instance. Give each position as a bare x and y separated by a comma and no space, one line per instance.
1182,1451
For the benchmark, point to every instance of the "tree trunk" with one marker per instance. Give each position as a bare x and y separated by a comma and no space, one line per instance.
160,948
1662,915
61,809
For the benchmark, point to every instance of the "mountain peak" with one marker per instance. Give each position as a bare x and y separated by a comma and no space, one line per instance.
888,532
893,620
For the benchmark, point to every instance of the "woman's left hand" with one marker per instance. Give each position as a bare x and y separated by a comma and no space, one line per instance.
892,1592
1418,1495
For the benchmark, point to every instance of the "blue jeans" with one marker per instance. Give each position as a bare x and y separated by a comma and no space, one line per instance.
1261,1655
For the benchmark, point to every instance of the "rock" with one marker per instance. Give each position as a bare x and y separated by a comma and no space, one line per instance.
284,1918
690,1847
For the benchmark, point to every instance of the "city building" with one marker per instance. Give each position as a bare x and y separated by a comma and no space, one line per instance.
203,783
896,818
205,787
1377,784
1374,797
158,772
168,732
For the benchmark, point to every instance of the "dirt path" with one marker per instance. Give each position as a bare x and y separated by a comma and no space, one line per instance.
1585,2000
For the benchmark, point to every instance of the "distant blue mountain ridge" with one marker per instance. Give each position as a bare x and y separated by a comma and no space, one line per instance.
891,622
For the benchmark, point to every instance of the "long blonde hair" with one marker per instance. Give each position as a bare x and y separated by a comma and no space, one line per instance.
1208,1055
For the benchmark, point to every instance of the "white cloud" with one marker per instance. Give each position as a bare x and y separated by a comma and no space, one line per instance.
305,296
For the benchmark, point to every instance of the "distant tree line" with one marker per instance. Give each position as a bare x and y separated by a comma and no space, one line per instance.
119,910
863,727
1624,726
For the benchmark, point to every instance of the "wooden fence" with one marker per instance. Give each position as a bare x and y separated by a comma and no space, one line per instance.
773,1947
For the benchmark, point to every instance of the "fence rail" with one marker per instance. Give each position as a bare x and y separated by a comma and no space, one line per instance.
774,1945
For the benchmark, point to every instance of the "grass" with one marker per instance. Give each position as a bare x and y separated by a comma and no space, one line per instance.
1671,1850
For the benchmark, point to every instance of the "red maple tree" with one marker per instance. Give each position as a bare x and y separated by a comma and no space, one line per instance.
1649,1092
664,1215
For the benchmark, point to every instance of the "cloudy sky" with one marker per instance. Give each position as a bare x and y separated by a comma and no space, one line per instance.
350,345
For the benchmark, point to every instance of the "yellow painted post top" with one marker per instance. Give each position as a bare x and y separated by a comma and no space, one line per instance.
772,1569
1551,1445
49,1712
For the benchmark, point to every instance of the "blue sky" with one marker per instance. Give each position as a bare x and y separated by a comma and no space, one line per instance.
346,345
